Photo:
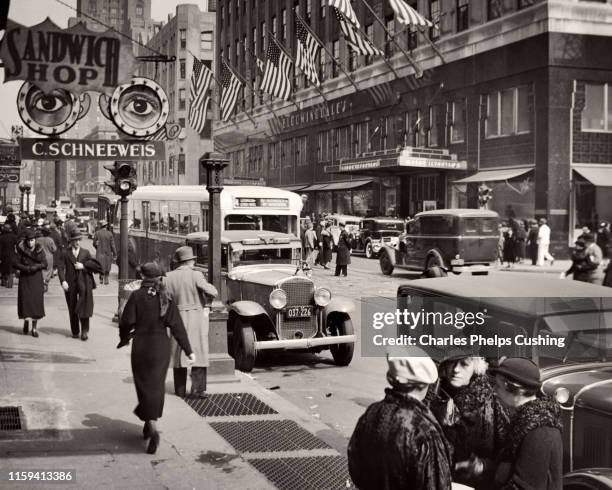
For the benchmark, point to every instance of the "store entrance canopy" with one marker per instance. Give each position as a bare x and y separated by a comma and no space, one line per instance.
337,186
292,188
494,175
596,174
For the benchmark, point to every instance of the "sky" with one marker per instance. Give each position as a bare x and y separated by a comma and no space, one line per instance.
32,12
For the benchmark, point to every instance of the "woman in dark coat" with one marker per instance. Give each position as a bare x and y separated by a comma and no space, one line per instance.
8,242
521,237
30,262
146,315
472,417
509,247
327,244
532,241
343,257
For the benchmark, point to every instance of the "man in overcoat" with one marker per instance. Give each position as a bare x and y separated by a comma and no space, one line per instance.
104,243
75,270
343,257
188,289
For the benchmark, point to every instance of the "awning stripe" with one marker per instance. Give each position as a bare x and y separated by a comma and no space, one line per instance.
494,175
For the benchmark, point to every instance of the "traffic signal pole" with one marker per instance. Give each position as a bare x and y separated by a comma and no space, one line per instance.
123,241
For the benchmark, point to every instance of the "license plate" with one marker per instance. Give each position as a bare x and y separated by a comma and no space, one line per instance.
298,312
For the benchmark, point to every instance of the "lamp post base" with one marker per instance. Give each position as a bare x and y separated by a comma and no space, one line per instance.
221,369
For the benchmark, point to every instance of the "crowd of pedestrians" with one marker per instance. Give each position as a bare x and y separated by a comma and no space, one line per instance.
524,240
459,422
320,239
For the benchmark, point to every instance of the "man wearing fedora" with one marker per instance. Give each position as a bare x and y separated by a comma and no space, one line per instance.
188,289
75,275
532,454
398,443
104,243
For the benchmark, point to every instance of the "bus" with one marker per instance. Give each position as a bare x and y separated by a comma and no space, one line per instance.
161,216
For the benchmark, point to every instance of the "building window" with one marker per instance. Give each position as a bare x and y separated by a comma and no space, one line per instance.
508,112
525,3
182,98
254,40
434,17
432,133
343,142
353,60
139,10
206,41
284,24
336,53
411,38
322,11
494,9
274,26
389,33
322,66
300,151
183,38
369,31
183,69
597,112
182,122
463,15
308,10
272,161
262,45
457,121
237,59
286,154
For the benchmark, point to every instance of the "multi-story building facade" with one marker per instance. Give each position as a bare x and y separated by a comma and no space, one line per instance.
514,94
189,33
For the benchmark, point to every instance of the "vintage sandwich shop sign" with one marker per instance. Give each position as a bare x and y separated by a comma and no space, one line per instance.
74,59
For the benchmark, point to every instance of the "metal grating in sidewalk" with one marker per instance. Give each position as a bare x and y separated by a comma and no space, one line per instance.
229,404
306,473
267,436
10,419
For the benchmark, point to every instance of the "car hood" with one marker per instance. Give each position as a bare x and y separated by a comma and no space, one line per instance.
263,274
595,381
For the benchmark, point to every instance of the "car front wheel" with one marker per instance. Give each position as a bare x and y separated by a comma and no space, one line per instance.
369,252
243,340
342,353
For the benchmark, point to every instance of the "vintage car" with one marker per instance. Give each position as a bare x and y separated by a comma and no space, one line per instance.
374,233
578,376
456,240
273,302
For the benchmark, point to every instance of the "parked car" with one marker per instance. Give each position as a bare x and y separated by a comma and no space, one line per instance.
457,240
272,299
374,233
578,376
82,217
351,223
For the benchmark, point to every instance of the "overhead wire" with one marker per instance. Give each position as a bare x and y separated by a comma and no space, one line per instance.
83,14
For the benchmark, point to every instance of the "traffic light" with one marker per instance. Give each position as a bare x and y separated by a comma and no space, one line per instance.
485,194
124,178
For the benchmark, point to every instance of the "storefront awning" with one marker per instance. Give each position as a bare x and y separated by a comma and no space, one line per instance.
596,174
292,188
337,186
494,175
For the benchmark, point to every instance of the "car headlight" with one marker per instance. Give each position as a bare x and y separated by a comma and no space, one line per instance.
278,299
562,395
322,296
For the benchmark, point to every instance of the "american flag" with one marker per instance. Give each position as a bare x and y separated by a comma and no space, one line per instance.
405,14
346,8
198,95
307,52
382,94
278,73
260,64
230,88
354,39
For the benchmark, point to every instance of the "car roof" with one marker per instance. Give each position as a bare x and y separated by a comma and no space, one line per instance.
237,236
522,296
485,213
384,219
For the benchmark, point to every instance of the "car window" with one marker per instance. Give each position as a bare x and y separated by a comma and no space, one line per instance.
474,225
437,225
414,226
262,256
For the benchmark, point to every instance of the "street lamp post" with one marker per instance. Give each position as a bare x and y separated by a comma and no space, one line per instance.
28,188
221,364
25,188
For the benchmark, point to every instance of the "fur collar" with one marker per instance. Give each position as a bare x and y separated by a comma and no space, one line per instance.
32,254
541,412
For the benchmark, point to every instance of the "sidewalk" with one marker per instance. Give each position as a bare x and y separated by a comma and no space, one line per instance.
76,399
557,267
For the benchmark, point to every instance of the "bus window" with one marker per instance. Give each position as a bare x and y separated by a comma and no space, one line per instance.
163,218
275,223
242,222
154,216
184,225
136,214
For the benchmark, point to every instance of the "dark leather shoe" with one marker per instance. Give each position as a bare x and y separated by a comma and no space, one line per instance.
75,335
199,394
84,336
26,328
34,333
153,443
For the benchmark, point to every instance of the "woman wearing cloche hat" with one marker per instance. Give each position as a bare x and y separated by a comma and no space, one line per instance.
188,289
147,313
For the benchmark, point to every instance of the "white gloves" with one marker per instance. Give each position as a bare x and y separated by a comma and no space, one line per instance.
65,286
192,358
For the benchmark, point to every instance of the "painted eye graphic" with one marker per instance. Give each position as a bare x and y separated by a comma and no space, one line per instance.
139,108
50,103
50,113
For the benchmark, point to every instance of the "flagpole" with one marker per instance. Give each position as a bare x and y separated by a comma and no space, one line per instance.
350,79
417,71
